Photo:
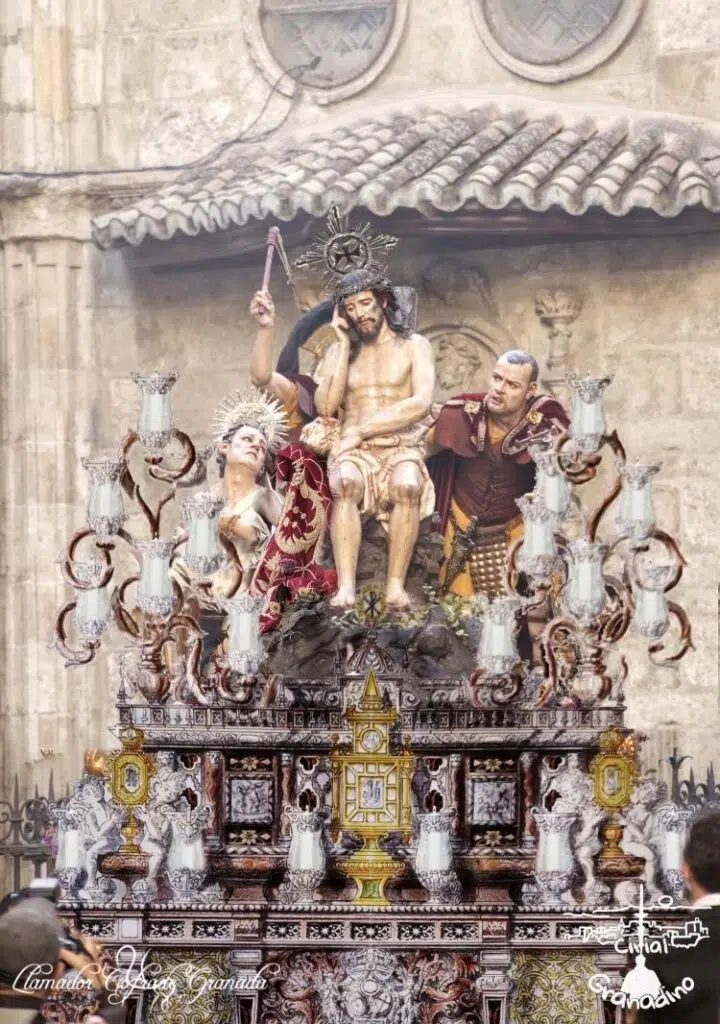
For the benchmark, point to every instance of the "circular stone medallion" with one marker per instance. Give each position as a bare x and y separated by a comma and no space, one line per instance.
348,42
553,40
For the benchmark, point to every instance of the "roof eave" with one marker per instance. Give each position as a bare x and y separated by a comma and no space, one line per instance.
467,228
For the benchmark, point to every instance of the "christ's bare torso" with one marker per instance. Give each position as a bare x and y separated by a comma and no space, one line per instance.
380,376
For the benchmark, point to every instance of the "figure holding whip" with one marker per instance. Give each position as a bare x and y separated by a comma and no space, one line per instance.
295,391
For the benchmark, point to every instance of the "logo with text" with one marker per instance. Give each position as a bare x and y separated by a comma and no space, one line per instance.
640,936
133,973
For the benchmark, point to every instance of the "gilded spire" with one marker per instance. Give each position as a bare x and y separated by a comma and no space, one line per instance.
371,699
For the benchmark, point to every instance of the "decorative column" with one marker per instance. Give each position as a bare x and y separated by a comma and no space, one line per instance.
46,365
287,764
554,865
557,309
494,983
213,779
528,769
456,795
52,55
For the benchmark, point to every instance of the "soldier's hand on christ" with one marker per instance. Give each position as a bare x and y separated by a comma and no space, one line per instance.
340,324
262,309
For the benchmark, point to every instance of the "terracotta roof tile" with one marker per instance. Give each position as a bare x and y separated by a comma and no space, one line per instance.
494,153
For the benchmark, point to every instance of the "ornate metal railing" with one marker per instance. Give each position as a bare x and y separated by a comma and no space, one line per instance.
692,792
25,832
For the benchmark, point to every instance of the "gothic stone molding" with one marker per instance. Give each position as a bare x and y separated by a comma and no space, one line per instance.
554,42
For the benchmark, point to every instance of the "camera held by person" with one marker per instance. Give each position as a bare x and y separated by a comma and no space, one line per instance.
38,952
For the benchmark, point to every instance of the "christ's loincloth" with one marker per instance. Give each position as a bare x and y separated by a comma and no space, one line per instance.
376,461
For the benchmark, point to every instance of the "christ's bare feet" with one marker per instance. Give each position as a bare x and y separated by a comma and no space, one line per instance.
396,596
345,598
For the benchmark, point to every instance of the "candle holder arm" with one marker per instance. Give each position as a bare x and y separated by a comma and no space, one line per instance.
552,682
72,656
512,570
190,458
125,622
616,621
66,561
191,676
671,546
232,554
685,642
133,489
60,642
577,468
613,442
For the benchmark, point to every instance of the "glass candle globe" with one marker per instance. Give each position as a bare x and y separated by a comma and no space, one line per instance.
587,425
636,515
92,607
155,425
245,649
106,512
204,553
155,590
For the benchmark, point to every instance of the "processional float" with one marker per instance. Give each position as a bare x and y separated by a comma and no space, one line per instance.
351,783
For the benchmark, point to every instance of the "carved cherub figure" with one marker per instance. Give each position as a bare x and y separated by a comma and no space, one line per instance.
574,789
101,826
642,829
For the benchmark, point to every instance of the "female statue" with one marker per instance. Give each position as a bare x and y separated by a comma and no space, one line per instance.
249,429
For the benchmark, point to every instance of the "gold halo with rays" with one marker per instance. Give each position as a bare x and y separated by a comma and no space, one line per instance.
343,249
250,407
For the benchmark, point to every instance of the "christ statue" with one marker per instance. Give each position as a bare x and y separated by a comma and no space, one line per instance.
375,388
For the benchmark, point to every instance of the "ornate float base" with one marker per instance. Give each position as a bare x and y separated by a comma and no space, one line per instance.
500,964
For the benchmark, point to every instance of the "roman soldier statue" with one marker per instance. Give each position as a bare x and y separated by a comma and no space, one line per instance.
481,464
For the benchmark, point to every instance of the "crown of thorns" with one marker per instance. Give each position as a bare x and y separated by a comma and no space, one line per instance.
346,255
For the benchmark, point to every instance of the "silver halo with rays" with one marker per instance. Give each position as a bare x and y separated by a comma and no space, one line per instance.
251,408
344,249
